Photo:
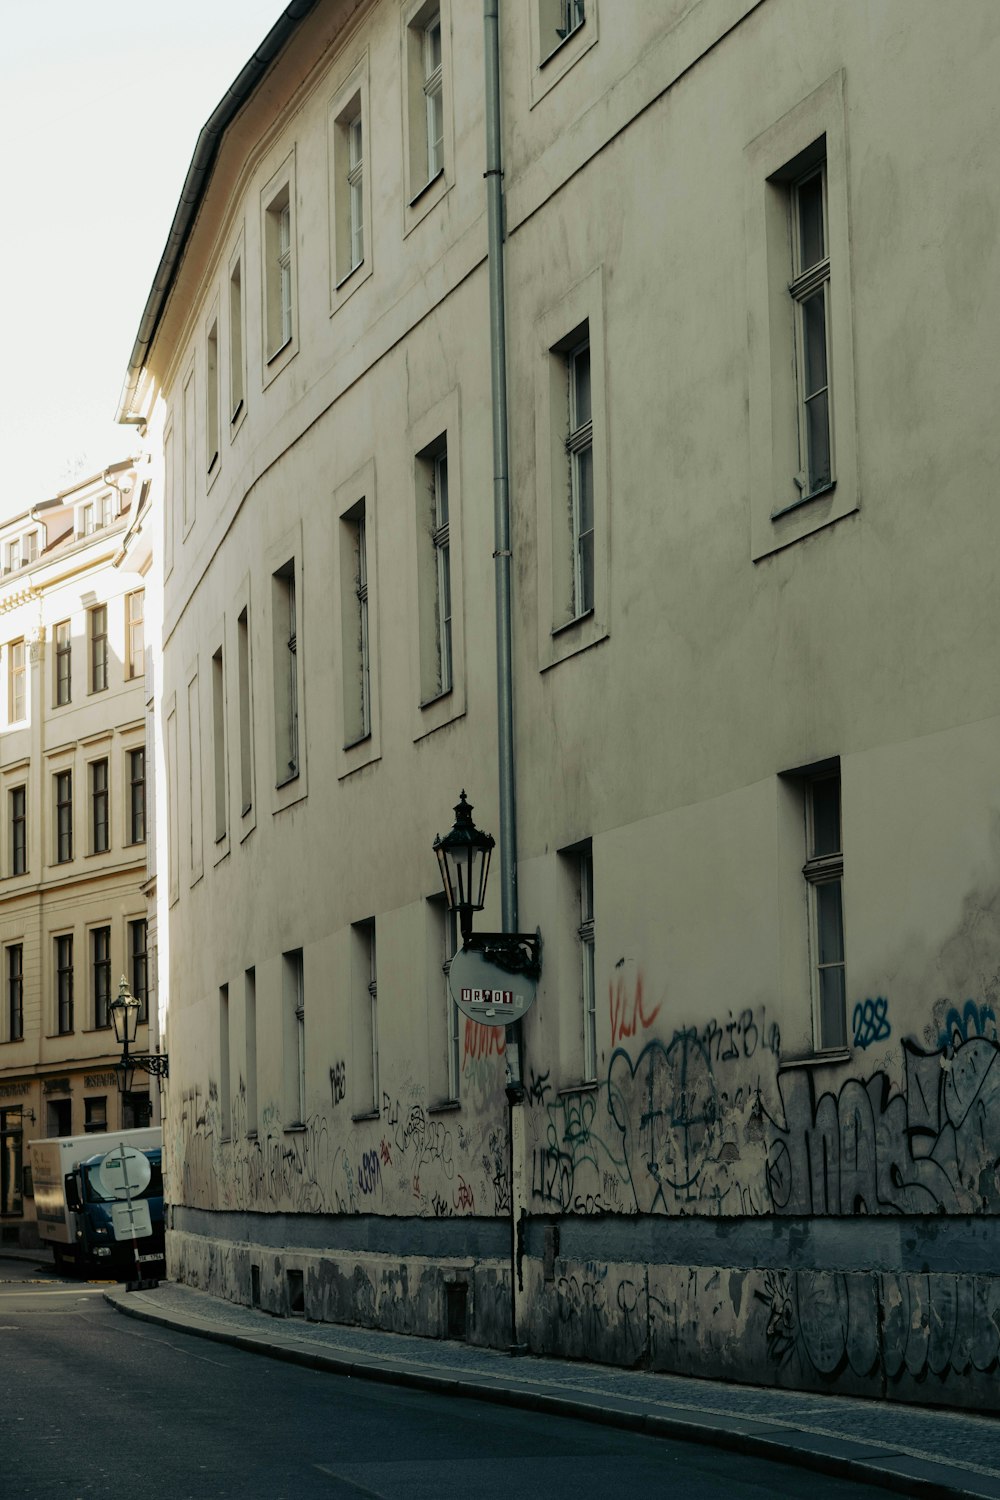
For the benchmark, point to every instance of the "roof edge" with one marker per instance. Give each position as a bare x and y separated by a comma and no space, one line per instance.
196,185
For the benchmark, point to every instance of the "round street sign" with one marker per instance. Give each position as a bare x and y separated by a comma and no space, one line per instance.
485,992
123,1171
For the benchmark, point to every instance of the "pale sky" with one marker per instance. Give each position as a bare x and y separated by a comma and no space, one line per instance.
101,103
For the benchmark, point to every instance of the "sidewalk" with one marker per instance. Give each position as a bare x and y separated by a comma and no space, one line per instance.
910,1450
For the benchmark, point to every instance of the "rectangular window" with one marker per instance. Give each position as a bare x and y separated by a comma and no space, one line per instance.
139,966
365,981
219,743
279,272
17,683
15,992
355,625
212,396
588,989
190,438
824,874
64,663
426,104
286,673
236,342
29,546
434,563
295,1037
95,1114
246,717
580,449
100,965
64,816
100,831
250,999
225,1101
18,830
137,796
12,1161
558,19
98,618
135,643
195,800
572,490
810,292
433,95
64,984
87,522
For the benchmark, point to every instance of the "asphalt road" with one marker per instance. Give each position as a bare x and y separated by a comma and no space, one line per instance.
100,1405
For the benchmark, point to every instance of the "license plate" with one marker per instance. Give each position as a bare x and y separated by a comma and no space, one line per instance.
149,1257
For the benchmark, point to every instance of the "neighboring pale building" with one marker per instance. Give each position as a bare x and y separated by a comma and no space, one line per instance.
752,268
73,817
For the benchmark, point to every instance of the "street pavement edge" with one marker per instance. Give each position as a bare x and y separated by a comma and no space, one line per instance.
898,1473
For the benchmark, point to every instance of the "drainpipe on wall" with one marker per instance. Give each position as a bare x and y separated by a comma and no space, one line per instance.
505,707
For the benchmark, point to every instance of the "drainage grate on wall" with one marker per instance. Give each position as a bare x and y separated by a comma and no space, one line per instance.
255,1286
296,1294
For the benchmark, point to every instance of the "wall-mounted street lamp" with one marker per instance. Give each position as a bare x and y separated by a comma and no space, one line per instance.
463,856
125,1019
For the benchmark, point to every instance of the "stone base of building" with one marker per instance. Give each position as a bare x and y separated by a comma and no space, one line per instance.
455,1298
928,1338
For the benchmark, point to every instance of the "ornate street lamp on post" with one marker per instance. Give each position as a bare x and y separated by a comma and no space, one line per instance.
125,1019
463,857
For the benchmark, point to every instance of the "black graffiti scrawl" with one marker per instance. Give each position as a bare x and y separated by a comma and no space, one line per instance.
931,1149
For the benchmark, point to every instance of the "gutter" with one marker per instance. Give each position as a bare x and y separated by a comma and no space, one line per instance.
193,192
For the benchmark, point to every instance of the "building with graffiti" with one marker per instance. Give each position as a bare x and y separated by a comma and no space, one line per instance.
751,268
73,773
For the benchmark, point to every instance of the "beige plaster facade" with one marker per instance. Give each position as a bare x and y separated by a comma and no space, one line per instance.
73,905
751,262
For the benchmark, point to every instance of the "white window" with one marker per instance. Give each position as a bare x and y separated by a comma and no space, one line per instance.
13,561
356,634
189,439
17,682
236,373
286,673
572,470
219,744
87,522
433,96
212,395
810,291
279,268
434,572
366,1003
580,449
427,109
29,546
294,1037
824,875
557,20
246,711
803,468
588,991
356,192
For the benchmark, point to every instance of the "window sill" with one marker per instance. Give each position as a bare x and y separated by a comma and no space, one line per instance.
251,1135
819,1059
367,1114
349,275
444,1106
281,349
436,697
421,192
786,510
588,614
590,1086
295,1128
361,740
286,780
563,40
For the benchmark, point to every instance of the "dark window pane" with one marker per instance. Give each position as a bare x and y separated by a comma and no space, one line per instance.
812,245
826,816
